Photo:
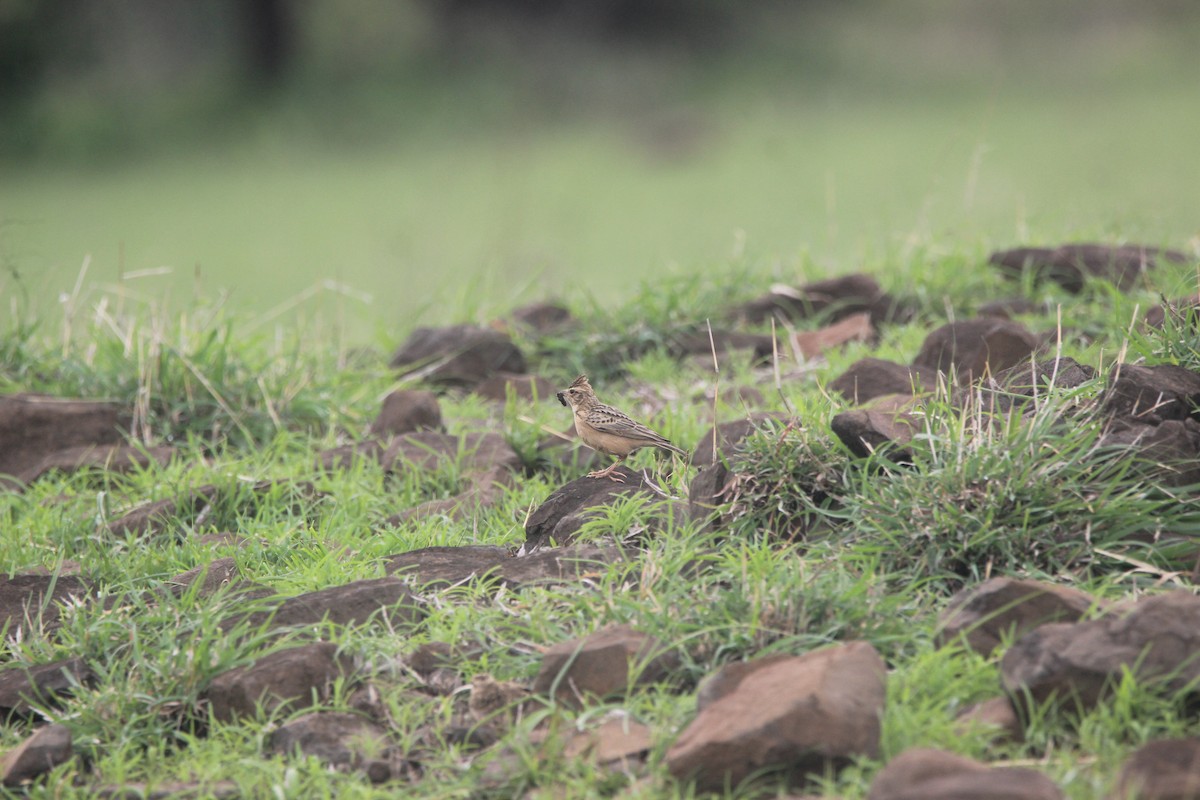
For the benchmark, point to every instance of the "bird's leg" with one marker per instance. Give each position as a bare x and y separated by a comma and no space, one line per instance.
608,472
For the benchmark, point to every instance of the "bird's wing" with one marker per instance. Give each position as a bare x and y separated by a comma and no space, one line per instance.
607,419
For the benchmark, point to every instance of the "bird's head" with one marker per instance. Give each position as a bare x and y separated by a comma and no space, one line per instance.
574,394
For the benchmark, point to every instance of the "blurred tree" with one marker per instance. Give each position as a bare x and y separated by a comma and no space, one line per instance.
269,40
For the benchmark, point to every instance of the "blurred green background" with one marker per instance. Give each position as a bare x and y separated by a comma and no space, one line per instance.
379,165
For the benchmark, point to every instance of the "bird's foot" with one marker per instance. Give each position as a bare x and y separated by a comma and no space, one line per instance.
608,473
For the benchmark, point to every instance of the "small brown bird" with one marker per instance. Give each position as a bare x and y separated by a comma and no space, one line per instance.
607,430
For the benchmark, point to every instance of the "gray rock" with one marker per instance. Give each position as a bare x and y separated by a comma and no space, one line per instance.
604,664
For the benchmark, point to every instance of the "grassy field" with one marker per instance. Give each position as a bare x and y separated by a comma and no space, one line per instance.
245,291
849,143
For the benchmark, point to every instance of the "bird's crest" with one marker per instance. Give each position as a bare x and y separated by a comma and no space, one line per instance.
580,383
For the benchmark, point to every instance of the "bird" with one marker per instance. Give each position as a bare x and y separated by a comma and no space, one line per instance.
607,430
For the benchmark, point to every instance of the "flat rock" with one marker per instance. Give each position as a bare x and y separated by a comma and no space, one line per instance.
458,355
970,349
434,567
543,317
708,493
291,679
387,600
1170,450
835,298
26,688
564,512
191,508
995,714
606,663
984,615
1163,769
48,747
800,715
1022,383
926,774
406,411
1069,265
853,328
338,739
1153,394
33,427
888,422
31,605
118,458
619,742
869,378
1155,640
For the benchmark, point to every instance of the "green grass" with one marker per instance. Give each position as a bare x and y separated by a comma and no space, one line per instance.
871,556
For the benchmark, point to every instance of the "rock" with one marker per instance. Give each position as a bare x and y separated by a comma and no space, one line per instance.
836,298
618,742
973,348
725,680
542,317
338,739
406,411
1169,451
708,492
460,355
1070,264
23,689
869,378
1163,769
348,455
530,388
388,600
48,747
1016,386
854,328
888,422
291,680
1006,608
1155,641
33,427
603,664
801,715
926,774
728,435
31,605
212,577
997,714
564,512
1152,394
437,567
495,702
118,458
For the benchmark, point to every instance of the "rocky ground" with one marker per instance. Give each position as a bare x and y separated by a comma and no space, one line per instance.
791,716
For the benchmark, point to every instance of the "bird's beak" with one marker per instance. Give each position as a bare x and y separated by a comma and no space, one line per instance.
561,399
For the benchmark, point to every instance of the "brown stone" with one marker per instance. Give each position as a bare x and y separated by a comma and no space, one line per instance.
1156,640
983,616
291,679
802,716
406,411
1069,265
925,774
1152,394
727,436
887,422
1164,769
48,747
26,688
854,328
338,739
565,511
972,348
603,664
869,378
459,355
31,605
995,714
439,567
530,388
35,426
